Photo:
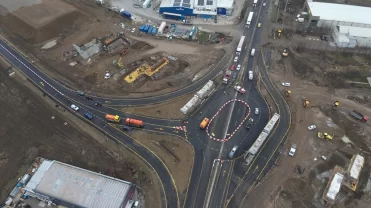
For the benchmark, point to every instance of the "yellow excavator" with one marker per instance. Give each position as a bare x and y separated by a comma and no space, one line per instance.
306,103
324,136
288,93
118,63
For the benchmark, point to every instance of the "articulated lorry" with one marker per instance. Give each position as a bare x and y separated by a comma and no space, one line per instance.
359,116
113,118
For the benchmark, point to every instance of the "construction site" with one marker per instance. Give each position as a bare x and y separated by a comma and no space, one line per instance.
330,131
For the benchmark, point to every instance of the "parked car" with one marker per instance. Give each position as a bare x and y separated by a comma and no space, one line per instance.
286,84
234,75
233,151
238,67
256,111
73,106
233,67
235,59
311,127
292,150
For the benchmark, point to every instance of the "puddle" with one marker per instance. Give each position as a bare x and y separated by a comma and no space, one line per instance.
49,44
346,139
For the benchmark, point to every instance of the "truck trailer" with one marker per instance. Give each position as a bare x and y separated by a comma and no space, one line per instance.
113,118
134,122
227,76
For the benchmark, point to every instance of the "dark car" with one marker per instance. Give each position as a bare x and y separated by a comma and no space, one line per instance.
126,128
97,104
249,123
80,93
88,98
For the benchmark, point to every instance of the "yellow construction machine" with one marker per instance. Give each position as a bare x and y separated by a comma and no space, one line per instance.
288,93
279,31
336,104
306,103
324,136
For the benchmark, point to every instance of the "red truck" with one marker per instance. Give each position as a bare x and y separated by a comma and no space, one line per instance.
227,76
134,122
359,116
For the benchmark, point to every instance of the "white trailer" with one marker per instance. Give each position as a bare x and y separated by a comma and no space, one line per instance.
240,44
192,103
249,18
205,90
254,3
161,28
268,128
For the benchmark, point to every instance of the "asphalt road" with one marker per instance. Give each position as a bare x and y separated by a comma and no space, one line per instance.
206,150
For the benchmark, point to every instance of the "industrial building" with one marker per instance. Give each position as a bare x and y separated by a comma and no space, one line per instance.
319,14
349,36
182,9
57,183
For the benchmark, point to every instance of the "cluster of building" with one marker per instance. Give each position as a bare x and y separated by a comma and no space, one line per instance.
343,178
183,9
54,183
350,25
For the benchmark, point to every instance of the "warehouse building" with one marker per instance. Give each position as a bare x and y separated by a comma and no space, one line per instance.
58,183
319,14
182,9
348,36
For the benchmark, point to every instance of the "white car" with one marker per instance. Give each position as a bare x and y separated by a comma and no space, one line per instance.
292,150
107,75
235,59
256,111
238,67
73,106
240,89
286,84
234,149
264,4
311,127
133,30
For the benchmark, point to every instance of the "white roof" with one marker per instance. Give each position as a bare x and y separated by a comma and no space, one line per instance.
341,12
343,39
224,3
356,167
177,3
77,186
205,3
355,31
335,185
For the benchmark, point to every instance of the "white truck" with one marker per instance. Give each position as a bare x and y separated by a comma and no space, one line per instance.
254,3
292,150
227,76
249,18
250,75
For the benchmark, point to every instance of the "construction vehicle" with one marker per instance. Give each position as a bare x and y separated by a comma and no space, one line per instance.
113,118
359,116
285,52
306,103
227,76
279,31
288,93
204,123
336,104
324,136
134,122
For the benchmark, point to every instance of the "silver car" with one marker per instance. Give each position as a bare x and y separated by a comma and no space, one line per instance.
233,151
256,111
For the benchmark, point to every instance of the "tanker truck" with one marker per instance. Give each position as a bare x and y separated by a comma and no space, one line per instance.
113,118
134,122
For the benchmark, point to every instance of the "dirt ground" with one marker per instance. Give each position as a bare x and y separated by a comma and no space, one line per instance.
175,152
299,181
169,110
28,130
91,21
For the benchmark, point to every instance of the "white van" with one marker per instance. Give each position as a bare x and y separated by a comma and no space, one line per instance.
250,75
253,52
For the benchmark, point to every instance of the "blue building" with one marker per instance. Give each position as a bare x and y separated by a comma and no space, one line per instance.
176,9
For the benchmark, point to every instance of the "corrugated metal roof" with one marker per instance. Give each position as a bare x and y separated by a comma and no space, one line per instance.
356,167
77,186
341,12
335,186
355,31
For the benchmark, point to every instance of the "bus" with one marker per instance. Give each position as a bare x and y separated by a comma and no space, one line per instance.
249,18
240,44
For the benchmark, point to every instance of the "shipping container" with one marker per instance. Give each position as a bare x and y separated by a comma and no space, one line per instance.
141,28
149,29
154,31
146,28
134,122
